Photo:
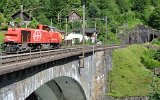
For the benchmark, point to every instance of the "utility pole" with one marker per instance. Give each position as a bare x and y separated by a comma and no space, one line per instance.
106,30
59,16
66,26
95,26
21,15
83,32
51,22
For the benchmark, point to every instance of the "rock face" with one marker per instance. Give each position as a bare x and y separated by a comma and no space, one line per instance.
139,34
102,65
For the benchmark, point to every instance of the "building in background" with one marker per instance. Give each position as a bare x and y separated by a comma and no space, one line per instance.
76,35
74,16
25,18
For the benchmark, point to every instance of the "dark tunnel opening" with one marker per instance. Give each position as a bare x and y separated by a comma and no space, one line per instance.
32,97
151,37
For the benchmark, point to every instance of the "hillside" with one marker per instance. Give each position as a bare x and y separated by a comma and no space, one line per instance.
120,13
129,76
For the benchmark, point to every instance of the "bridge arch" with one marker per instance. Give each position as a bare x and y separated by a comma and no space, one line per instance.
60,88
52,75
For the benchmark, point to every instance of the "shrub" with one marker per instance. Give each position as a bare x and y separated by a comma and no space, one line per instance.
150,59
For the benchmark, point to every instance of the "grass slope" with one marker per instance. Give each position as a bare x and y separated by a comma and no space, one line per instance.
129,77
1,37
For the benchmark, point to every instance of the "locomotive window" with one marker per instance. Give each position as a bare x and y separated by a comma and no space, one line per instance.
47,29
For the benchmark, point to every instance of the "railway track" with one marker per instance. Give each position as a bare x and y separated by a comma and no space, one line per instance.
8,61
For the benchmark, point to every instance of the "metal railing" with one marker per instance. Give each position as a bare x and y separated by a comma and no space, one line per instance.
18,58
15,62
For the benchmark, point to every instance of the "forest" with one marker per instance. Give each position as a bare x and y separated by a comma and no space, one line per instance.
120,13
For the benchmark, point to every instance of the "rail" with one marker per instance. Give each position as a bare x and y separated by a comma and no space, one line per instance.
8,61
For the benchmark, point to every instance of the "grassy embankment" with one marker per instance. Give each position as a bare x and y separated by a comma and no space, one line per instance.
129,77
1,38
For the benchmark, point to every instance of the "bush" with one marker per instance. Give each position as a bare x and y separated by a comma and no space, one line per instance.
150,59
156,41
156,56
150,63
155,93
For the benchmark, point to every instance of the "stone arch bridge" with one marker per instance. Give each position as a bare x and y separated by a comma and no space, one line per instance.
61,79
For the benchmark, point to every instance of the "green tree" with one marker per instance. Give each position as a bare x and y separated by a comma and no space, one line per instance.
155,3
93,10
33,23
55,7
124,5
43,19
139,5
10,7
2,19
154,19
3,24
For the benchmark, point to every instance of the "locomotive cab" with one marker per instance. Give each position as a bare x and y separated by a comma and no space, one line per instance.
11,36
11,40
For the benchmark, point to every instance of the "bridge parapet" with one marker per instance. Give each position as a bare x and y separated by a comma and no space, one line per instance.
17,62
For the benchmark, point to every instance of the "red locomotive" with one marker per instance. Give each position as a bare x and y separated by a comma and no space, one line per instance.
24,39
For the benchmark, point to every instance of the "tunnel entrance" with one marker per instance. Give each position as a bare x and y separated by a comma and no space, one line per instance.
61,88
152,36
32,97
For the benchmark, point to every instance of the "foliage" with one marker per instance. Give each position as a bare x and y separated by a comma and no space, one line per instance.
154,19
124,5
150,63
150,59
129,77
33,23
155,3
156,55
2,19
140,5
155,93
112,38
1,37
43,20
93,10
2,22
156,41
118,12
147,13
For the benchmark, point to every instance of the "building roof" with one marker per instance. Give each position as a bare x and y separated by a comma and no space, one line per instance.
75,13
26,17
